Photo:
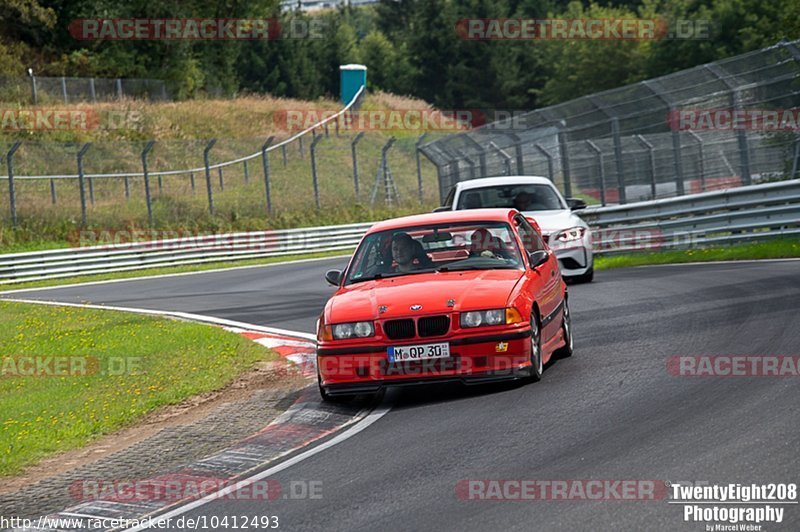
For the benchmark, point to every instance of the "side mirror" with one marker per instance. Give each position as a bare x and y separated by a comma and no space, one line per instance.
443,208
537,258
576,204
334,277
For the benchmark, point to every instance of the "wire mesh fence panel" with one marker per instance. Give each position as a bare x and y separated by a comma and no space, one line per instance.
728,123
45,90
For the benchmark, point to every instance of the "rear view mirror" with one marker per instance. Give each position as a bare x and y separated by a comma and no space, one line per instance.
334,277
443,208
438,236
537,258
576,204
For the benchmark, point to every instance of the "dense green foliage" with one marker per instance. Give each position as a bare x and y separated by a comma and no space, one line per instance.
410,46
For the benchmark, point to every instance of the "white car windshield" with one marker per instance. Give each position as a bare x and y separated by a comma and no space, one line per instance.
441,247
524,197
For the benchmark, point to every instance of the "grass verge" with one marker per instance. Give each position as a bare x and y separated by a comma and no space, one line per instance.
118,367
169,270
773,249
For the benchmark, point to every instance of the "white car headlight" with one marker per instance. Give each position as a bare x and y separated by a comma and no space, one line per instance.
359,329
570,235
471,319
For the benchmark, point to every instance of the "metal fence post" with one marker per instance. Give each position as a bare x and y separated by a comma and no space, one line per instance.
127,188
518,152
599,153
92,90
221,179
283,153
34,92
354,153
301,147
12,197
387,186
64,89
208,175
618,156
701,162
546,154
651,163
265,165
147,196
192,182
796,160
503,155
91,191
53,195
481,154
564,152
677,160
246,173
417,145
80,182
314,168
119,88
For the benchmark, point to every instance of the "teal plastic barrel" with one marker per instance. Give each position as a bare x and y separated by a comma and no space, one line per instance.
352,78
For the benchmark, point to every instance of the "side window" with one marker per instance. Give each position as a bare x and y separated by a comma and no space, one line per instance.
531,240
448,202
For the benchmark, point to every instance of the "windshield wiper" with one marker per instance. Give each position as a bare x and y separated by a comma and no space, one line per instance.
473,267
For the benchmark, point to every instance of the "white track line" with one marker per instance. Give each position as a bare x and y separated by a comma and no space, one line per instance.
164,275
371,418
170,314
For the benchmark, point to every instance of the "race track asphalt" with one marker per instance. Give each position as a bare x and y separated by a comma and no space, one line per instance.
612,411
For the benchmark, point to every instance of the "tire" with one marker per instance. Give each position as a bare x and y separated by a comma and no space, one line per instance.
536,351
566,329
587,277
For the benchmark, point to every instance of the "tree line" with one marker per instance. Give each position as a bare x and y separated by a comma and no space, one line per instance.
411,47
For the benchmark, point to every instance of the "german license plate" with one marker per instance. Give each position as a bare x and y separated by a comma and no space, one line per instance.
418,352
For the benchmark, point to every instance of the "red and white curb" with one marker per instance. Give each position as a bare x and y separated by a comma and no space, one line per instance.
299,351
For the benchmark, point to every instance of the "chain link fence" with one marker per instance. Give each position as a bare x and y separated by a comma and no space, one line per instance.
669,136
41,90
320,169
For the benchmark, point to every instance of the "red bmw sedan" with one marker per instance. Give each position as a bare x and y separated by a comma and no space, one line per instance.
473,296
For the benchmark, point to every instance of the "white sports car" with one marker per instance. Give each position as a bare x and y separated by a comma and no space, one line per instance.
537,198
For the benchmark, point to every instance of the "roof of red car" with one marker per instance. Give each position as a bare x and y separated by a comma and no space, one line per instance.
476,215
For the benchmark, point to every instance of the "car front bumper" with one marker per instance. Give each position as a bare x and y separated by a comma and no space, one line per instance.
473,360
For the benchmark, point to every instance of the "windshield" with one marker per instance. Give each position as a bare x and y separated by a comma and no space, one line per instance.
524,197
441,247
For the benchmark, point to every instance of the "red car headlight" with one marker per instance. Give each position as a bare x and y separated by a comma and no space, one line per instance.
356,329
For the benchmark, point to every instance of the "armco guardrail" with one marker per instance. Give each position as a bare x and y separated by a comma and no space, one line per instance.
733,215
55,264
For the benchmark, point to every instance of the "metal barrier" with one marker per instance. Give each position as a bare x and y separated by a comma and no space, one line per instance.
720,217
61,263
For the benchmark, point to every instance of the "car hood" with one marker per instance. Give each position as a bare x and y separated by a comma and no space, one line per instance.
469,290
555,221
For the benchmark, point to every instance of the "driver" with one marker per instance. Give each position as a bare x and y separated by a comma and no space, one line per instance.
403,251
522,201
